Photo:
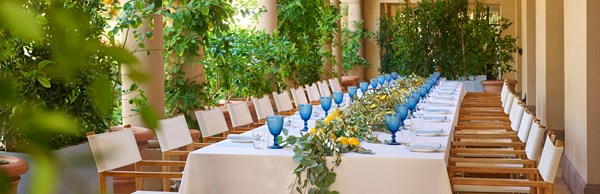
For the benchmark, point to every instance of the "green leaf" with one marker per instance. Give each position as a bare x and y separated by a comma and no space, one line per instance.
204,10
120,54
7,86
43,64
149,117
16,18
44,82
102,93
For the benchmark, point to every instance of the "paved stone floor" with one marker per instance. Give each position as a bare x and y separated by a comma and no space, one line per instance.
560,187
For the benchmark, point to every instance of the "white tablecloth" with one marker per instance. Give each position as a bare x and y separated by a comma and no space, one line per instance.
232,168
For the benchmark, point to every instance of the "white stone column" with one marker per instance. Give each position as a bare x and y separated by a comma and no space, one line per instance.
528,46
268,20
550,63
151,64
337,48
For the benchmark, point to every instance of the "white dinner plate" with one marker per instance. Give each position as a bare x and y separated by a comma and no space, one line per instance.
425,147
241,141
437,111
430,133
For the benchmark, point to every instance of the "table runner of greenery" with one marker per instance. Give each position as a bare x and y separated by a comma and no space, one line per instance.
342,131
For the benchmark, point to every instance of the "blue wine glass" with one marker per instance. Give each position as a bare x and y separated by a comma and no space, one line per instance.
326,103
402,111
352,92
364,86
381,79
422,91
305,113
388,78
338,97
394,75
412,102
393,124
374,83
275,124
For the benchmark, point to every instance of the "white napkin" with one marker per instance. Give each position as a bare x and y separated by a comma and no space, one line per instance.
425,145
434,118
430,131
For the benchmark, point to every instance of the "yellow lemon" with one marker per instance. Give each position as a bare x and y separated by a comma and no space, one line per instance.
328,118
373,106
342,140
312,130
353,142
332,137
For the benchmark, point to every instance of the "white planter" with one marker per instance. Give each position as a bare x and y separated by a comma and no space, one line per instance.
473,84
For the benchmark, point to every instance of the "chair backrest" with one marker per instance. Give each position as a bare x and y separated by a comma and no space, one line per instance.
283,101
525,126
516,113
299,96
239,113
509,103
211,122
550,159
114,150
263,107
504,93
335,84
324,88
534,141
173,133
313,92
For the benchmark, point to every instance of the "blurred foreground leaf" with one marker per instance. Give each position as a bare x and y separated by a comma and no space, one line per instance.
6,91
149,117
24,24
101,90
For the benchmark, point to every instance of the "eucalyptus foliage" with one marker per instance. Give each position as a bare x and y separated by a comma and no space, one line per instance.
447,35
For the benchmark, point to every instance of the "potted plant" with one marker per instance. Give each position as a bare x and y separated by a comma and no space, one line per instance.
12,168
458,40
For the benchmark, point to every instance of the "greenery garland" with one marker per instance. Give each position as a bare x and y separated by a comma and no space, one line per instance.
342,131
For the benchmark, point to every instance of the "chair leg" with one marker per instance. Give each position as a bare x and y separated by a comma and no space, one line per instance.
166,181
103,189
138,181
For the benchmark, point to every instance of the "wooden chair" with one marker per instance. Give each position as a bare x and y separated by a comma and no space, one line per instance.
299,96
502,110
241,119
537,180
324,88
213,125
313,94
117,149
513,119
175,141
506,150
283,103
263,108
335,84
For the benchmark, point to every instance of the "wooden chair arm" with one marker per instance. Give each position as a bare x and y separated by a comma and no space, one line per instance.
497,182
515,145
160,163
495,170
483,118
476,127
175,153
139,174
454,151
199,145
492,161
213,139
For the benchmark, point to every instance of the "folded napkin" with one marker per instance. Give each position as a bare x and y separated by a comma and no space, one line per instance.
445,92
445,97
430,131
236,137
425,145
441,103
434,118
437,110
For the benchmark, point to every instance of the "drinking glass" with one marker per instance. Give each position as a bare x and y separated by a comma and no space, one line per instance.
338,97
388,78
422,91
275,124
381,79
352,91
364,86
393,123
305,113
402,111
394,75
374,83
259,138
326,103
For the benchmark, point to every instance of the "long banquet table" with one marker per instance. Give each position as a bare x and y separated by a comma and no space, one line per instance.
232,168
